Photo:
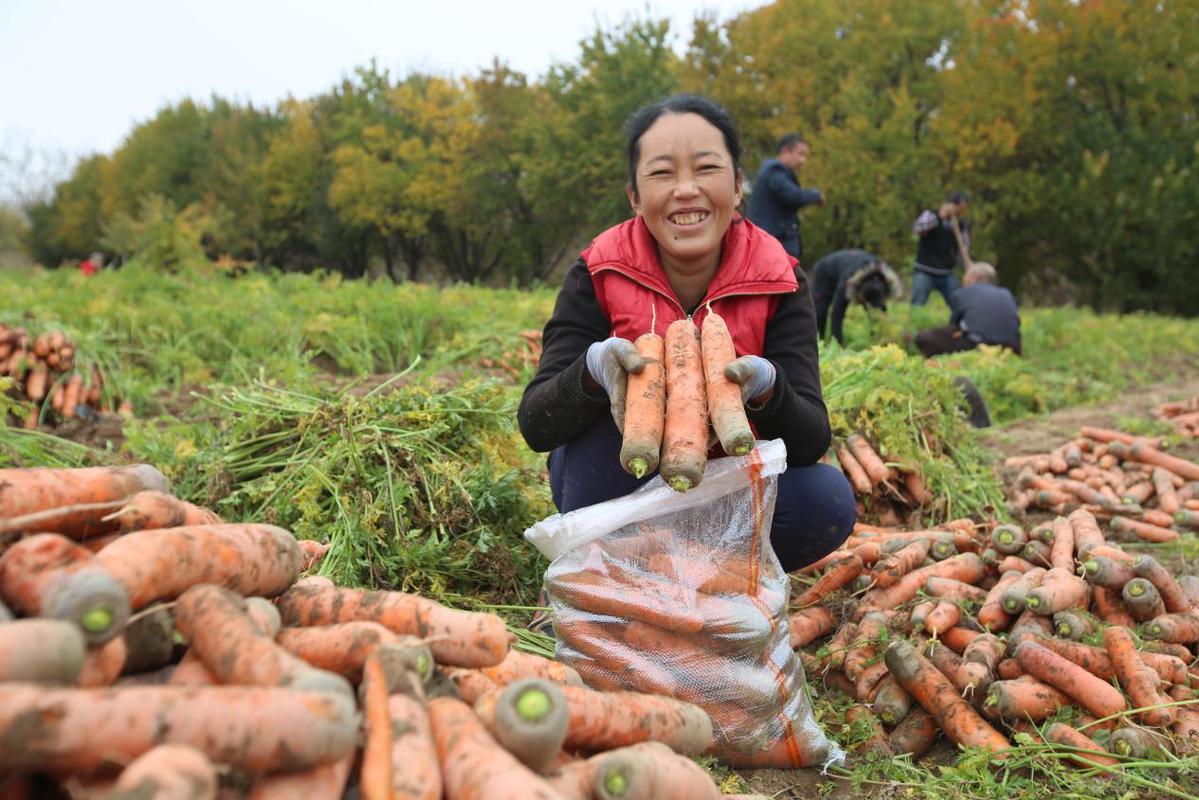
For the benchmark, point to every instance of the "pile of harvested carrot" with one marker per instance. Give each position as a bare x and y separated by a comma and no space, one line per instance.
887,493
1143,492
43,371
287,687
1183,415
979,631
515,362
671,402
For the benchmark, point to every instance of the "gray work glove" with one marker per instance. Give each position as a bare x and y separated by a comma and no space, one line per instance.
609,362
755,374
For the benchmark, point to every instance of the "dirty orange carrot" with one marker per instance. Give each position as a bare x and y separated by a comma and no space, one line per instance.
377,770
979,661
888,571
167,771
1058,590
1086,532
574,780
1109,572
1174,598
838,645
416,774
1138,680
991,615
458,638
837,574
344,647
312,553
604,720
810,624
1073,624
153,509
1061,552
470,683
661,603
891,702
1182,628
1008,539
645,409
965,567
1014,564
252,728
954,590
473,764
1153,516
529,718
326,782
915,734
1109,607
1142,530
854,472
70,501
685,432
1060,733
649,771
1008,669
958,638
940,698
611,660
236,651
519,664
1091,692
877,471
103,664
1163,485
190,671
860,718
40,651
942,618
1188,470
1024,699
725,408
914,483
1142,600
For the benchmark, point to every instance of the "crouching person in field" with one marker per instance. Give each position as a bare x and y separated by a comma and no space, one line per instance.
844,277
984,314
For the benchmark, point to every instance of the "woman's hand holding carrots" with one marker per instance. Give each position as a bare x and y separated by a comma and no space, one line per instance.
755,375
609,363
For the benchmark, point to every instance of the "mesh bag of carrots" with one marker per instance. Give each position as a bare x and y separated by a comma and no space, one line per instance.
680,594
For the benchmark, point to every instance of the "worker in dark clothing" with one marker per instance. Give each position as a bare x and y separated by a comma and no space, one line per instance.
777,197
984,313
939,249
844,277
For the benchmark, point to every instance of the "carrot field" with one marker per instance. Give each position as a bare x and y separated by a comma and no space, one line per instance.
379,419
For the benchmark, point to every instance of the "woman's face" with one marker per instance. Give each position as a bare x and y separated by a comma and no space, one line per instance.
687,189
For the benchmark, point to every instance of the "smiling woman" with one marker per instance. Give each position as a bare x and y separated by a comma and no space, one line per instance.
685,253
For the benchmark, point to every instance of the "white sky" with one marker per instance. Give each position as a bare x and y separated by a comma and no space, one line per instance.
76,76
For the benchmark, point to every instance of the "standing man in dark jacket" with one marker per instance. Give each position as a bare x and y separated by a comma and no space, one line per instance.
844,277
776,198
938,250
983,314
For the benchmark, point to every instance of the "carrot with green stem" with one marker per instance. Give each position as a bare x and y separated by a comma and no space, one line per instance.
889,570
1142,600
685,432
1024,699
344,648
725,407
1073,625
1089,691
1138,680
1008,539
891,702
1174,598
1140,743
649,771
645,409
1182,628
991,614
1058,590
459,638
940,698
1015,596
150,510
530,718
473,764
1109,572
77,731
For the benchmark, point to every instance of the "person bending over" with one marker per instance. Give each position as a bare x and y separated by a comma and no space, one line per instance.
844,277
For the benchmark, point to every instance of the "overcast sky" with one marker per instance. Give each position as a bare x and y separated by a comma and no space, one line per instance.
76,76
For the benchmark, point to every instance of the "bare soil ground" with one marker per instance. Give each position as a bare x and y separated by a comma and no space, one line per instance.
1035,435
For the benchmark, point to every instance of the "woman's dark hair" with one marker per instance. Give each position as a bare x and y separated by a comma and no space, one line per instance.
873,291
710,110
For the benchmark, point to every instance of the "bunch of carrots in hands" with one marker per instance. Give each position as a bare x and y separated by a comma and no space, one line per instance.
1183,415
288,687
891,493
1144,493
669,404
983,631
43,371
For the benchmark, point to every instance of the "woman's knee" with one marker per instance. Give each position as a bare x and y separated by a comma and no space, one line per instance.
814,514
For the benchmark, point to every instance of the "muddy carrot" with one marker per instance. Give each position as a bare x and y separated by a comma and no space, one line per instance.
1142,530
1024,699
40,651
1014,564
649,771
87,492
1086,532
1140,743
1138,680
377,770
167,771
685,432
473,764
868,457
837,574
1109,607
152,509
470,683
966,567
1089,691
979,660
1008,539
327,782
991,614
725,408
889,570
76,731
1182,628
1153,516
575,780
1175,599
1142,600
954,590
810,624
343,648
103,665
1109,572
645,409
1179,466
459,638
891,701
250,559
604,720
854,472
529,718
916,488
942,618
417,774
518,664
860,719
1060,733
933,690
1015,596
236,651
915,734
1073,624
1058,590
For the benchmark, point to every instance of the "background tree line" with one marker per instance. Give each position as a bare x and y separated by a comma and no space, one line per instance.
1072,123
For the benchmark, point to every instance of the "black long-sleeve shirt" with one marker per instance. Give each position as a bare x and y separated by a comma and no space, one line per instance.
556,408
